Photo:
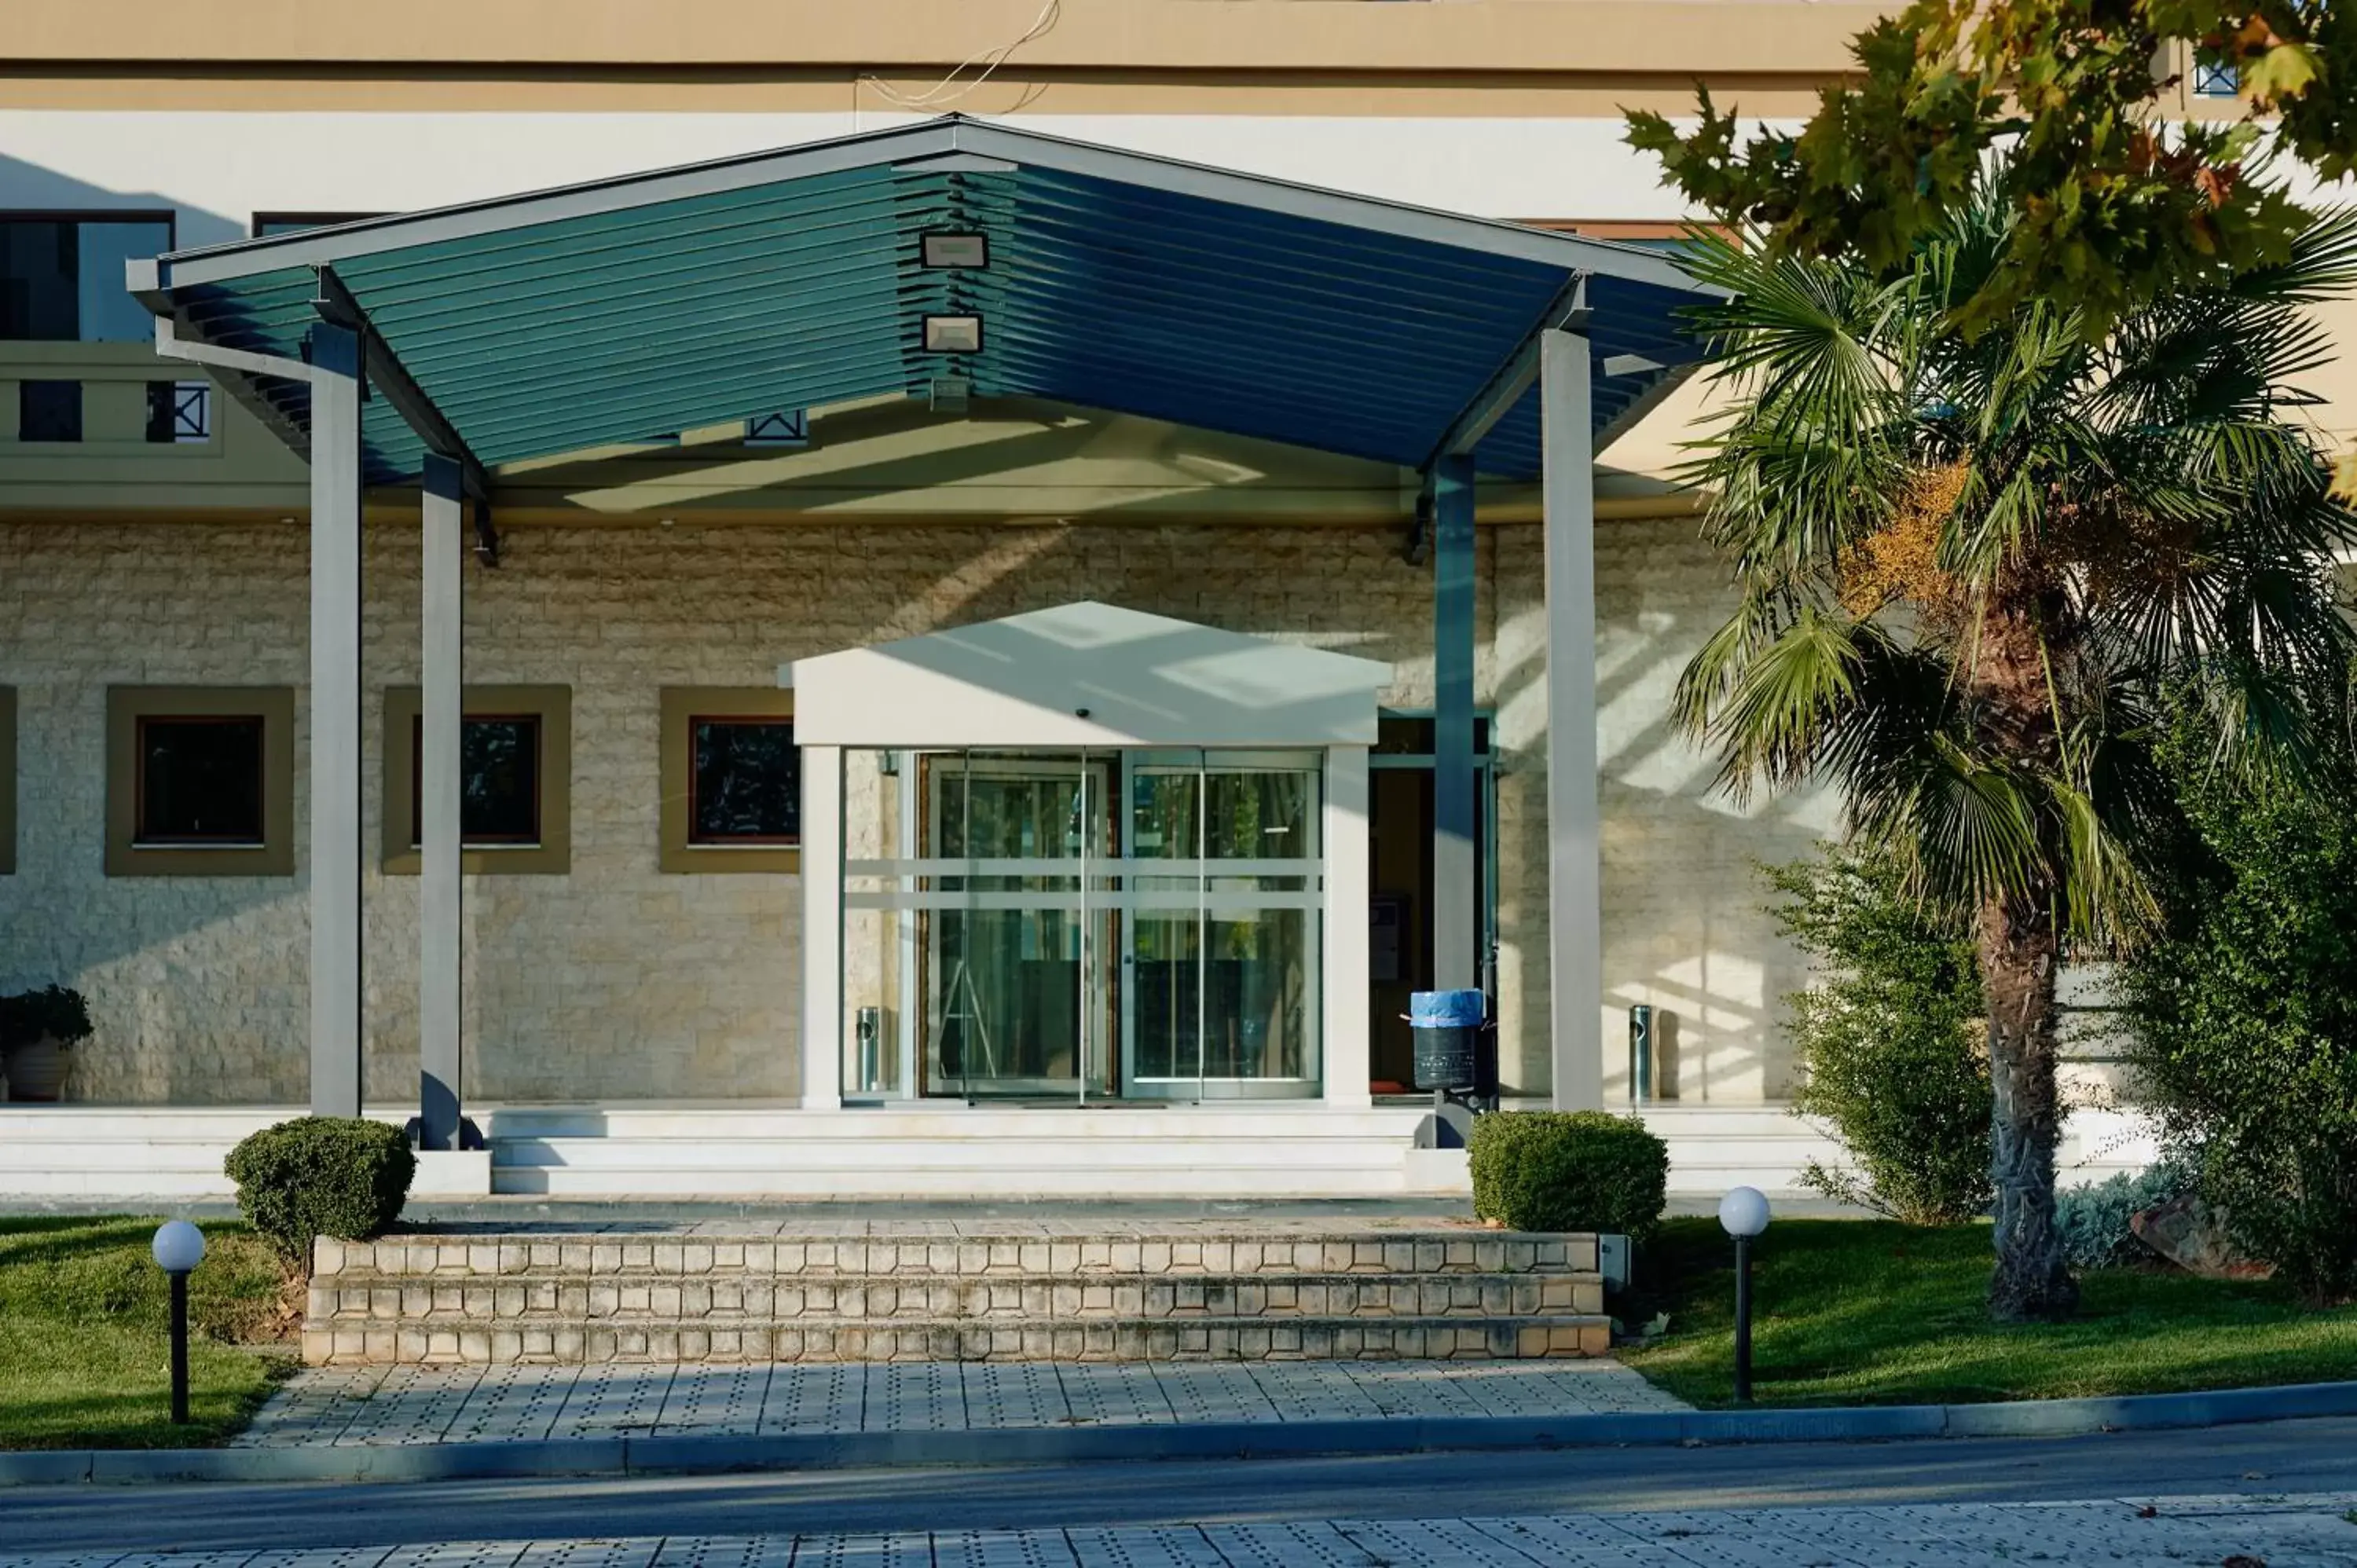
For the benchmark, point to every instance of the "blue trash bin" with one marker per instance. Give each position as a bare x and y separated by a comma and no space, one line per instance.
1445,1025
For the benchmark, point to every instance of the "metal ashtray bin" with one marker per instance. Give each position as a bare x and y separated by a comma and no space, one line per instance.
1446,1028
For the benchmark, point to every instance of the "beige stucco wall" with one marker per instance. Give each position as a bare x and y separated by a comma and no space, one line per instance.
619,982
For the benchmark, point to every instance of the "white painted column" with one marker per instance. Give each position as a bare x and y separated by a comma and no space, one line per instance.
334,738
1575,863
822,879
1344,978
439,772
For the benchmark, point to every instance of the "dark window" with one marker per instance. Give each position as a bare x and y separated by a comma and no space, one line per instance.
745,781
179,411
499,788
49,411
62,277
199,780
1399,734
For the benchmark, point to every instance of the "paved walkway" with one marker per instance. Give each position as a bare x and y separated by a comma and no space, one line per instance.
2293,1533
401,1405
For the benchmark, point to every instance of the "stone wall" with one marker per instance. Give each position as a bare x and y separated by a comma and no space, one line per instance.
620,982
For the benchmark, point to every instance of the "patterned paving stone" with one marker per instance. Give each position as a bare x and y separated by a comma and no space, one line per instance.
1014,1393
1212,1391
1105,1393
824,1396
612,1401
411,1404
381,1406
724,1401
2297,1532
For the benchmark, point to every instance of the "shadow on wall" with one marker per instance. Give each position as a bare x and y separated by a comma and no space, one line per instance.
26,187
1685,926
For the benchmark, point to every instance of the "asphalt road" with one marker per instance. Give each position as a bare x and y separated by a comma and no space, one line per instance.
2255,1461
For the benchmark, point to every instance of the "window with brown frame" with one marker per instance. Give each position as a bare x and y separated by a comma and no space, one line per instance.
499,789
745,780
731,772
199,780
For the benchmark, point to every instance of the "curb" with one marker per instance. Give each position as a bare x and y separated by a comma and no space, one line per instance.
1208,1439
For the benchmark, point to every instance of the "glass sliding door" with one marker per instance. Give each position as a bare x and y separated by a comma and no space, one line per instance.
1069,926
1221,963
1014,998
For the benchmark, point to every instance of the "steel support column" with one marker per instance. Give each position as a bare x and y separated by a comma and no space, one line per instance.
439,1048
1574,865
335,749
1456,925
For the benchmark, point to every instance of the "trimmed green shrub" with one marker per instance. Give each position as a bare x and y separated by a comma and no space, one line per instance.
1892,1051
2242,1016
1569,1170
321,1176
2094,1216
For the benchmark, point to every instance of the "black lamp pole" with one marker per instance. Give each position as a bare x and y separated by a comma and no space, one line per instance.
179,1348
1743,1320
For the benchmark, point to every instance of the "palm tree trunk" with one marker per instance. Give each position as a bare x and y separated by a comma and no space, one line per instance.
2019,951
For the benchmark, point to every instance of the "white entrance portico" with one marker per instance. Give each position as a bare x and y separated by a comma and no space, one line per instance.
1086,854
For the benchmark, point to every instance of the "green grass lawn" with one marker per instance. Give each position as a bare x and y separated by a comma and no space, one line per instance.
84,1344
1867,1312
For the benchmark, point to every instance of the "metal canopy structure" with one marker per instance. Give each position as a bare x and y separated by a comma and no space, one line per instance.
1004,263
634,308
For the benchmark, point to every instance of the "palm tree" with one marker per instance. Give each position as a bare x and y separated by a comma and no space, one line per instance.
1972,568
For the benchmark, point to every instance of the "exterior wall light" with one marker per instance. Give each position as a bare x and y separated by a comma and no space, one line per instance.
952,333
178,1248
955,252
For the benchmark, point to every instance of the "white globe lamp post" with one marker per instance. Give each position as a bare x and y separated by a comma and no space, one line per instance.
178,1248
1743,1214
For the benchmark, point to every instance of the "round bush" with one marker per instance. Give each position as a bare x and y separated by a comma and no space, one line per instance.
321,1176
1569,1170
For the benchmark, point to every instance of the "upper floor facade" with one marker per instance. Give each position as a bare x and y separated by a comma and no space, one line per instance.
128,128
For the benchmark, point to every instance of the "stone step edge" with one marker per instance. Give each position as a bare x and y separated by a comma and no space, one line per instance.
1326,1338
820,1279
481,1259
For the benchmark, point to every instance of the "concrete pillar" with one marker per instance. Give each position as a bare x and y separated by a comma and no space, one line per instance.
1344,967
335,735
441,703
821,878
1575,863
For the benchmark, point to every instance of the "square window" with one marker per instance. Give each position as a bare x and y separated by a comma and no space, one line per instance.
49,411
731,775
499,788
745,781
515,777
200,781
180,412
2216,81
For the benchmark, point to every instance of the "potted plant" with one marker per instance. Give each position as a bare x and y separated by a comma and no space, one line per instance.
37,1029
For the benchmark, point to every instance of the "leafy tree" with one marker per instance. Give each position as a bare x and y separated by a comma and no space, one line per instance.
2110,208
1889,1038
1969,565
2243,1018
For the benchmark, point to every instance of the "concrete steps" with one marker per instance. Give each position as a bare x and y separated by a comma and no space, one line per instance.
1214,1291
